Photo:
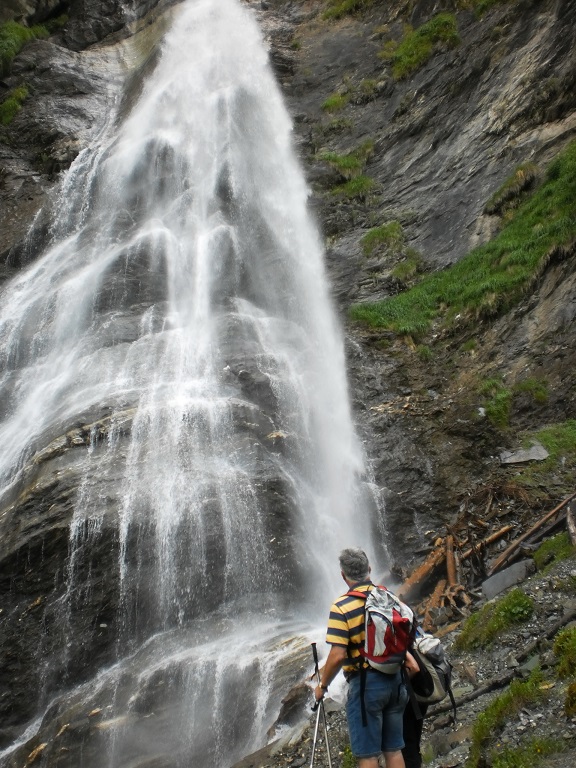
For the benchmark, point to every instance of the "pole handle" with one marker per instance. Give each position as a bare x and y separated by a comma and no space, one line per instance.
315,654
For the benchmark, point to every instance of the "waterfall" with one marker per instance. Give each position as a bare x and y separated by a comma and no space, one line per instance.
173,374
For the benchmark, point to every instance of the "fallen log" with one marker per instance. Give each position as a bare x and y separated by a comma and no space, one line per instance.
433,601
488,540
571,526
421,573
505,556
451,562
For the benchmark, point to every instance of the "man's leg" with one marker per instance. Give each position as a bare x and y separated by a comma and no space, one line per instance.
368,762
394,759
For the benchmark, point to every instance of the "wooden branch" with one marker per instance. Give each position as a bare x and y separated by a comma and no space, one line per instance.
495,682
451,562
489,540
420,574
433,602
571,526
550,632
516,543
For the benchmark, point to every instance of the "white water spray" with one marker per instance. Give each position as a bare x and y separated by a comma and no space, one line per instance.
183,311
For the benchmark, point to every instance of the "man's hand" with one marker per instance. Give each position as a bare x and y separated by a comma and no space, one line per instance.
336,658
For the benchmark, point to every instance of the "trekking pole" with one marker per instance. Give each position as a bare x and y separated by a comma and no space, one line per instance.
319,706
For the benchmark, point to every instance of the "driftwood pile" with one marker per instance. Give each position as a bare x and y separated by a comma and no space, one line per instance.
443,587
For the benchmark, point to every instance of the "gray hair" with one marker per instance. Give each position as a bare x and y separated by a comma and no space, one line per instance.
354,564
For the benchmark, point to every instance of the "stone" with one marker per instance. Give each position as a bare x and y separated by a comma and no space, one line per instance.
536,452
500,581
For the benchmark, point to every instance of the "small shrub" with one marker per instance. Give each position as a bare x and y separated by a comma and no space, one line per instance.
335,102
565,652
553,550
418,45
482,628
11,105
469,345
348,759
490,722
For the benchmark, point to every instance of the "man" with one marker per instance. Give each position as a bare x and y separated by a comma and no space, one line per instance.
385,695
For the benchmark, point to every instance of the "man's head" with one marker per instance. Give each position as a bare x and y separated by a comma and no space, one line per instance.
354,565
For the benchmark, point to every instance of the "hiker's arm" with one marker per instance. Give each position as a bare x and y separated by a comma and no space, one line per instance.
336,657
411,665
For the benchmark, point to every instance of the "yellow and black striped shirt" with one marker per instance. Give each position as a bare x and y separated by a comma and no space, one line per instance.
346,623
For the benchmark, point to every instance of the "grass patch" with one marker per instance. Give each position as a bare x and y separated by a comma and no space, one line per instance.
352,164
509,195
409,266
339,8
390,235
491,721
560,442
526,755
553,550
481,628
359,187
336,102
570,702
480,7
493,277
11,105
498,402
565,652
419,45
13,37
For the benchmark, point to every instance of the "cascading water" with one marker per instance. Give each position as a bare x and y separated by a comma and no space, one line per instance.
174,356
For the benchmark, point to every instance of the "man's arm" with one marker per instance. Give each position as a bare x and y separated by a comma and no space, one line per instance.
337,656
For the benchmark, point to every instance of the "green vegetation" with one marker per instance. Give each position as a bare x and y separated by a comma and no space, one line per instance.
417,46
565,652
352,164
11,104
348,759
390,235
498,403
335,102
340,8
424,352
13,37
490,722
527,755
499,399
358,187
553,550
409,266
560,442
570,703
480,7
494,276
509,195
481,628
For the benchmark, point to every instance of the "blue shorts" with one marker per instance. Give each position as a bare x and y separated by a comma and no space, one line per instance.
385,699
